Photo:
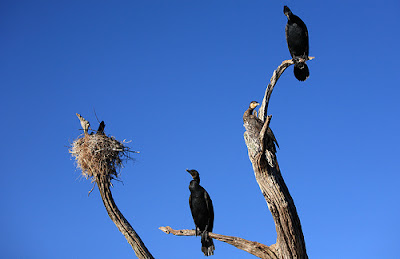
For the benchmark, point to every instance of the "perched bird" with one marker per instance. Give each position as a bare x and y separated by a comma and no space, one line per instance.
202,212
254,126
84,123
100,129
297,40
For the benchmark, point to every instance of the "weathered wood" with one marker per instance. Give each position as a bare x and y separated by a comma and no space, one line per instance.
268,91
103,182
290,240
263,132
254,248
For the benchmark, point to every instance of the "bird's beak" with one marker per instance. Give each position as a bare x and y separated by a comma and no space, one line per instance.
190,172
257,104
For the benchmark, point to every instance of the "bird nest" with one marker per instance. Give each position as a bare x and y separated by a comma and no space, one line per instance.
98,154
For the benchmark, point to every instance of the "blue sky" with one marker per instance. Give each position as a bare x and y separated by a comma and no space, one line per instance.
175,78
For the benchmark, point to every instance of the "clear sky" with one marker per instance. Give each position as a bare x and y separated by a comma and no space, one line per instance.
175,78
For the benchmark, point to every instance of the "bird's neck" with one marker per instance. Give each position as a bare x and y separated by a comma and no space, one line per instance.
194,185
289,15
249,112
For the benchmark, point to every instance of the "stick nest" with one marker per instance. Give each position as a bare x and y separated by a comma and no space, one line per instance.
98,154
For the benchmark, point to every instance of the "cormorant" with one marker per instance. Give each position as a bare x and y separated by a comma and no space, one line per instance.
100,129
254,126
202,212
297,40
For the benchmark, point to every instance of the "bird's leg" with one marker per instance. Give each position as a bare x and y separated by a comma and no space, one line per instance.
204,235
196,231
303,58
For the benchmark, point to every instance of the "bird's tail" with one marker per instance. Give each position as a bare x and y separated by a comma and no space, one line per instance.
301,71
207,244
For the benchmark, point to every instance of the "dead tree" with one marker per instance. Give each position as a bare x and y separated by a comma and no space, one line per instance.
290,240
99,157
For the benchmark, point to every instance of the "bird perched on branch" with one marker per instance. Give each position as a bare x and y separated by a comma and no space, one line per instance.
297,40
100,129
254,126
84,123
202,212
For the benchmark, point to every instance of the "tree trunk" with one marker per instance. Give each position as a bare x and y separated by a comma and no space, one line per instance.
290,240
103,182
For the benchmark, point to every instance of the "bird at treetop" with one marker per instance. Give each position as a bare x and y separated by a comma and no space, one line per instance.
100,129
202,212
84,123
297,40
254,126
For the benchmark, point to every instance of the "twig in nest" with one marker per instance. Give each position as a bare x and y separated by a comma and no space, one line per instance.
94,184
98,154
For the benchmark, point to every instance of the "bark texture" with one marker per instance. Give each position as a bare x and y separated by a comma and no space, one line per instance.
290,240
254,248
103,182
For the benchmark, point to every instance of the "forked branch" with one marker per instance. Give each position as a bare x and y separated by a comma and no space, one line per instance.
290,241
263,134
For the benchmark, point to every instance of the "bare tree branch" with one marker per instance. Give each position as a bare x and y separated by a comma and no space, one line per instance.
119,220
99,157
275,76
254,248
290,240
263,133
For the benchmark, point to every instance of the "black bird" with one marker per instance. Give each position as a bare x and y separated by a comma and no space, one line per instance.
254,126
202,212
100,129
297,40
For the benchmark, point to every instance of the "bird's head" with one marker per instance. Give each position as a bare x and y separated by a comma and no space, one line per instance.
287,11
194,174
253,105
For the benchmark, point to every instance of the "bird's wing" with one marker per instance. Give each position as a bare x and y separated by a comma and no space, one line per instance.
210,210
286,35
304,27
308,46
100,129
271,134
